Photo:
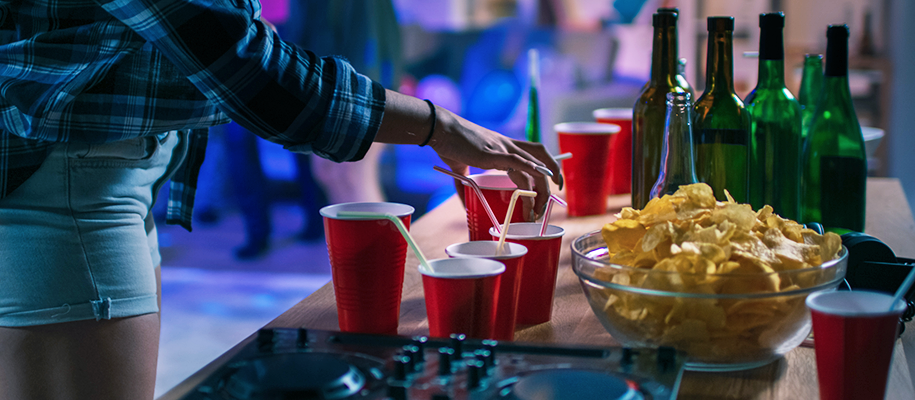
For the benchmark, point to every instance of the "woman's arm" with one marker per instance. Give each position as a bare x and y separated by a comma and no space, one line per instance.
461,143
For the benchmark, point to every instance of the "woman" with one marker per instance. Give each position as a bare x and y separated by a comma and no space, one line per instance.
101,104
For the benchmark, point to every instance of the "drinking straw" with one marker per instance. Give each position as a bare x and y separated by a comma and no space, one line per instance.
508,216
904,288
476,189
549,208
423,262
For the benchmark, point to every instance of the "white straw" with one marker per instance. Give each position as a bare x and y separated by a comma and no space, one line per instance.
508,216
423,263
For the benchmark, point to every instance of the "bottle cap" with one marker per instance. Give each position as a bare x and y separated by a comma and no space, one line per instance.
717,24
837,31
668,10
665,19
772,20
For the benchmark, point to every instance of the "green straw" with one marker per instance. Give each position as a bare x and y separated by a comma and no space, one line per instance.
423,263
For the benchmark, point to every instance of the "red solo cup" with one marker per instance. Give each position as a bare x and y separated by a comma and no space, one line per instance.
540,270
461,296
497,189
854,334
620,160
586,172
512,257
367,258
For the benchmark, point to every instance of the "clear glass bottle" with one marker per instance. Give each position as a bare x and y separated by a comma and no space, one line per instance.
677,158
722,123
811,88
650,108
835,164
775,127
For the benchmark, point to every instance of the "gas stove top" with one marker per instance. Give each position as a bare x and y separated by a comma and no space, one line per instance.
312,364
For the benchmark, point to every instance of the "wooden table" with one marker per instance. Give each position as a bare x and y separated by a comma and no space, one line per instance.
889,218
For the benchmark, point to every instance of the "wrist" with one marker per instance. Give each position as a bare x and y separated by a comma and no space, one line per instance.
432,124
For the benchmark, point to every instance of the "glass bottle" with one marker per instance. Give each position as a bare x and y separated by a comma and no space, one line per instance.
835,165
649,110
722,123
532,129
811,88
677,166
681,63
775,127
681,78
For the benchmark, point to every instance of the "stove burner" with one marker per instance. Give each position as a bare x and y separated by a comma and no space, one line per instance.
296,376
572,384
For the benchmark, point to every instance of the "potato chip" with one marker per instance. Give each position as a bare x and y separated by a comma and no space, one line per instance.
690,243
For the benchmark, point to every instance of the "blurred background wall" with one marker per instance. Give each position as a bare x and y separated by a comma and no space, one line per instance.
471,56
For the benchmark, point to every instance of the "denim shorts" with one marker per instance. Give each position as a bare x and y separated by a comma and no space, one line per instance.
77,239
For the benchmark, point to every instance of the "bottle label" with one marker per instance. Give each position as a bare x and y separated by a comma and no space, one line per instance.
722,136
843,190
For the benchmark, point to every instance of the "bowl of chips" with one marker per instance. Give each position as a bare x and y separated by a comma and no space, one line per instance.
722,283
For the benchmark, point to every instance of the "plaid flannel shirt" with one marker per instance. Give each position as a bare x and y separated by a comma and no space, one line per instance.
105,70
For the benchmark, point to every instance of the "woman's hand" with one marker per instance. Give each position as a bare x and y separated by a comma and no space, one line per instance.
461,143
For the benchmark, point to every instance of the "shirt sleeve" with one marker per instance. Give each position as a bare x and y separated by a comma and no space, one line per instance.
280,92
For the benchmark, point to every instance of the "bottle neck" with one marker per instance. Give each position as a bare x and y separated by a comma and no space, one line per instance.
680,162
837,57
719,73
836,90
811,81
664,56
771,44
771,58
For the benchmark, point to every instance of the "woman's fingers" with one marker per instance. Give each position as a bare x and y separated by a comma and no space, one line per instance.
523,182
539,152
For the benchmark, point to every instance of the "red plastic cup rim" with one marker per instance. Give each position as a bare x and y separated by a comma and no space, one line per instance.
529,231
860,303
586,128
463,268
398,209
497,181
612,113
486,249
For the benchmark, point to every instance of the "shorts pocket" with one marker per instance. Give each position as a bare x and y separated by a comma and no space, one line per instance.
141,148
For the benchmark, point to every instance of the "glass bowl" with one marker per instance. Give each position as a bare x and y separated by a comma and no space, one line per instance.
722,322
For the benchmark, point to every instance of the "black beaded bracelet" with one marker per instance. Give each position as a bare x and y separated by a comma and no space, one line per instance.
431,130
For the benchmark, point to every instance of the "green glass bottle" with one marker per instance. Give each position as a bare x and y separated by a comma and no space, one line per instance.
532,129
835,165
722,122
811,88
677,164
649,110
775,127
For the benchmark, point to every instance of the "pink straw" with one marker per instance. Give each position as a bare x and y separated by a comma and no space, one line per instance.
549,208
476,189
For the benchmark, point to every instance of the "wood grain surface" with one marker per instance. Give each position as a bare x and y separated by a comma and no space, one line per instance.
889,218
